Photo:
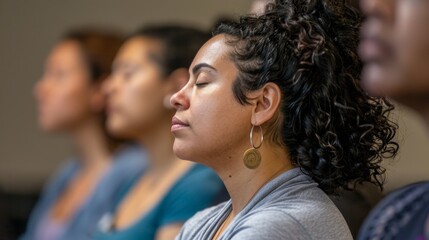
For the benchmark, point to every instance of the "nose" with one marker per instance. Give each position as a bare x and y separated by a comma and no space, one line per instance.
180,100
382,9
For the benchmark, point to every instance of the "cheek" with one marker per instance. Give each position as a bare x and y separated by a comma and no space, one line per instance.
142,104
217,119
412,46
219,124
65,107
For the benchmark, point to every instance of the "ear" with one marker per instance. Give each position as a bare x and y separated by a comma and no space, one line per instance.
177,79
267,101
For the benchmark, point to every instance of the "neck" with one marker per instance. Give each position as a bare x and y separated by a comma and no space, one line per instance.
158,143
91,145
275,161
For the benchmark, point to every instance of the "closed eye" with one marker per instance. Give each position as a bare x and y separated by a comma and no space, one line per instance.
202,84
202,80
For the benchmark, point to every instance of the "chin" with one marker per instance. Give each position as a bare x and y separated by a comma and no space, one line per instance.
115,128
182,150
180,153
373,89
374,83
120,133
49,126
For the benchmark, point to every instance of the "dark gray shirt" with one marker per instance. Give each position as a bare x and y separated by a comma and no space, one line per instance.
291,206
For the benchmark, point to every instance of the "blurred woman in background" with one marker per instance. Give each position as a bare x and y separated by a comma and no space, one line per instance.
70,101
149,68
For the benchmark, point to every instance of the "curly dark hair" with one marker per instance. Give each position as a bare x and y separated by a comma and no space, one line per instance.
332,129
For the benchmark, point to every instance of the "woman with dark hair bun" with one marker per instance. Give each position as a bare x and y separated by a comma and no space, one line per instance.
290,79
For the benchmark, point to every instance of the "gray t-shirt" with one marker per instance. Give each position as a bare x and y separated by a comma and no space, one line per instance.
291,206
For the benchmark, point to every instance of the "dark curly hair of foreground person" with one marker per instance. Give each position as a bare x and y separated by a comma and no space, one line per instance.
332,129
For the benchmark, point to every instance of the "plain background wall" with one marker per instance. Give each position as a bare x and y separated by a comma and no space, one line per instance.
412,163
29,29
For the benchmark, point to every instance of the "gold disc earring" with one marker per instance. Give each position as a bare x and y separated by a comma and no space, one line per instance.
252,157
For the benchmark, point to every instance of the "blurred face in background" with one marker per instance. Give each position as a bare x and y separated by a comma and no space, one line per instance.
136,89
65,96
395,49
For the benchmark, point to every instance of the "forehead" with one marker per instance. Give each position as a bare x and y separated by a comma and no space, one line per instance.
214,52
66,53
138,48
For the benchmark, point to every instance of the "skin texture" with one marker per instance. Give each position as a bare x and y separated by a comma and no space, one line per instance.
136,93
395,50
213,127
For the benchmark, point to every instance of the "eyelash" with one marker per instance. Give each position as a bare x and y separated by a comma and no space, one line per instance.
201,80
201,84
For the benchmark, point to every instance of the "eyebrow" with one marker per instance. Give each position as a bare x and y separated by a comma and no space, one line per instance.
198,67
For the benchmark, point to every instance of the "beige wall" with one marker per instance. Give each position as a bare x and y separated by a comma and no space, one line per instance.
28,30
412,163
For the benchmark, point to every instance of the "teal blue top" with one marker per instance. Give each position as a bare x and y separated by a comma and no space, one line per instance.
198,189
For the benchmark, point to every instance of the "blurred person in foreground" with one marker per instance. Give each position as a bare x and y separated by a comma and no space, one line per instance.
274,106
71,102
150,66
395,50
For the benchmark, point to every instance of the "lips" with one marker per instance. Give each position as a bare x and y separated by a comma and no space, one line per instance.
373,47
372,50
177,124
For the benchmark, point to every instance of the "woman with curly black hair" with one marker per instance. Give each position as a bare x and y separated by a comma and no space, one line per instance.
290,78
